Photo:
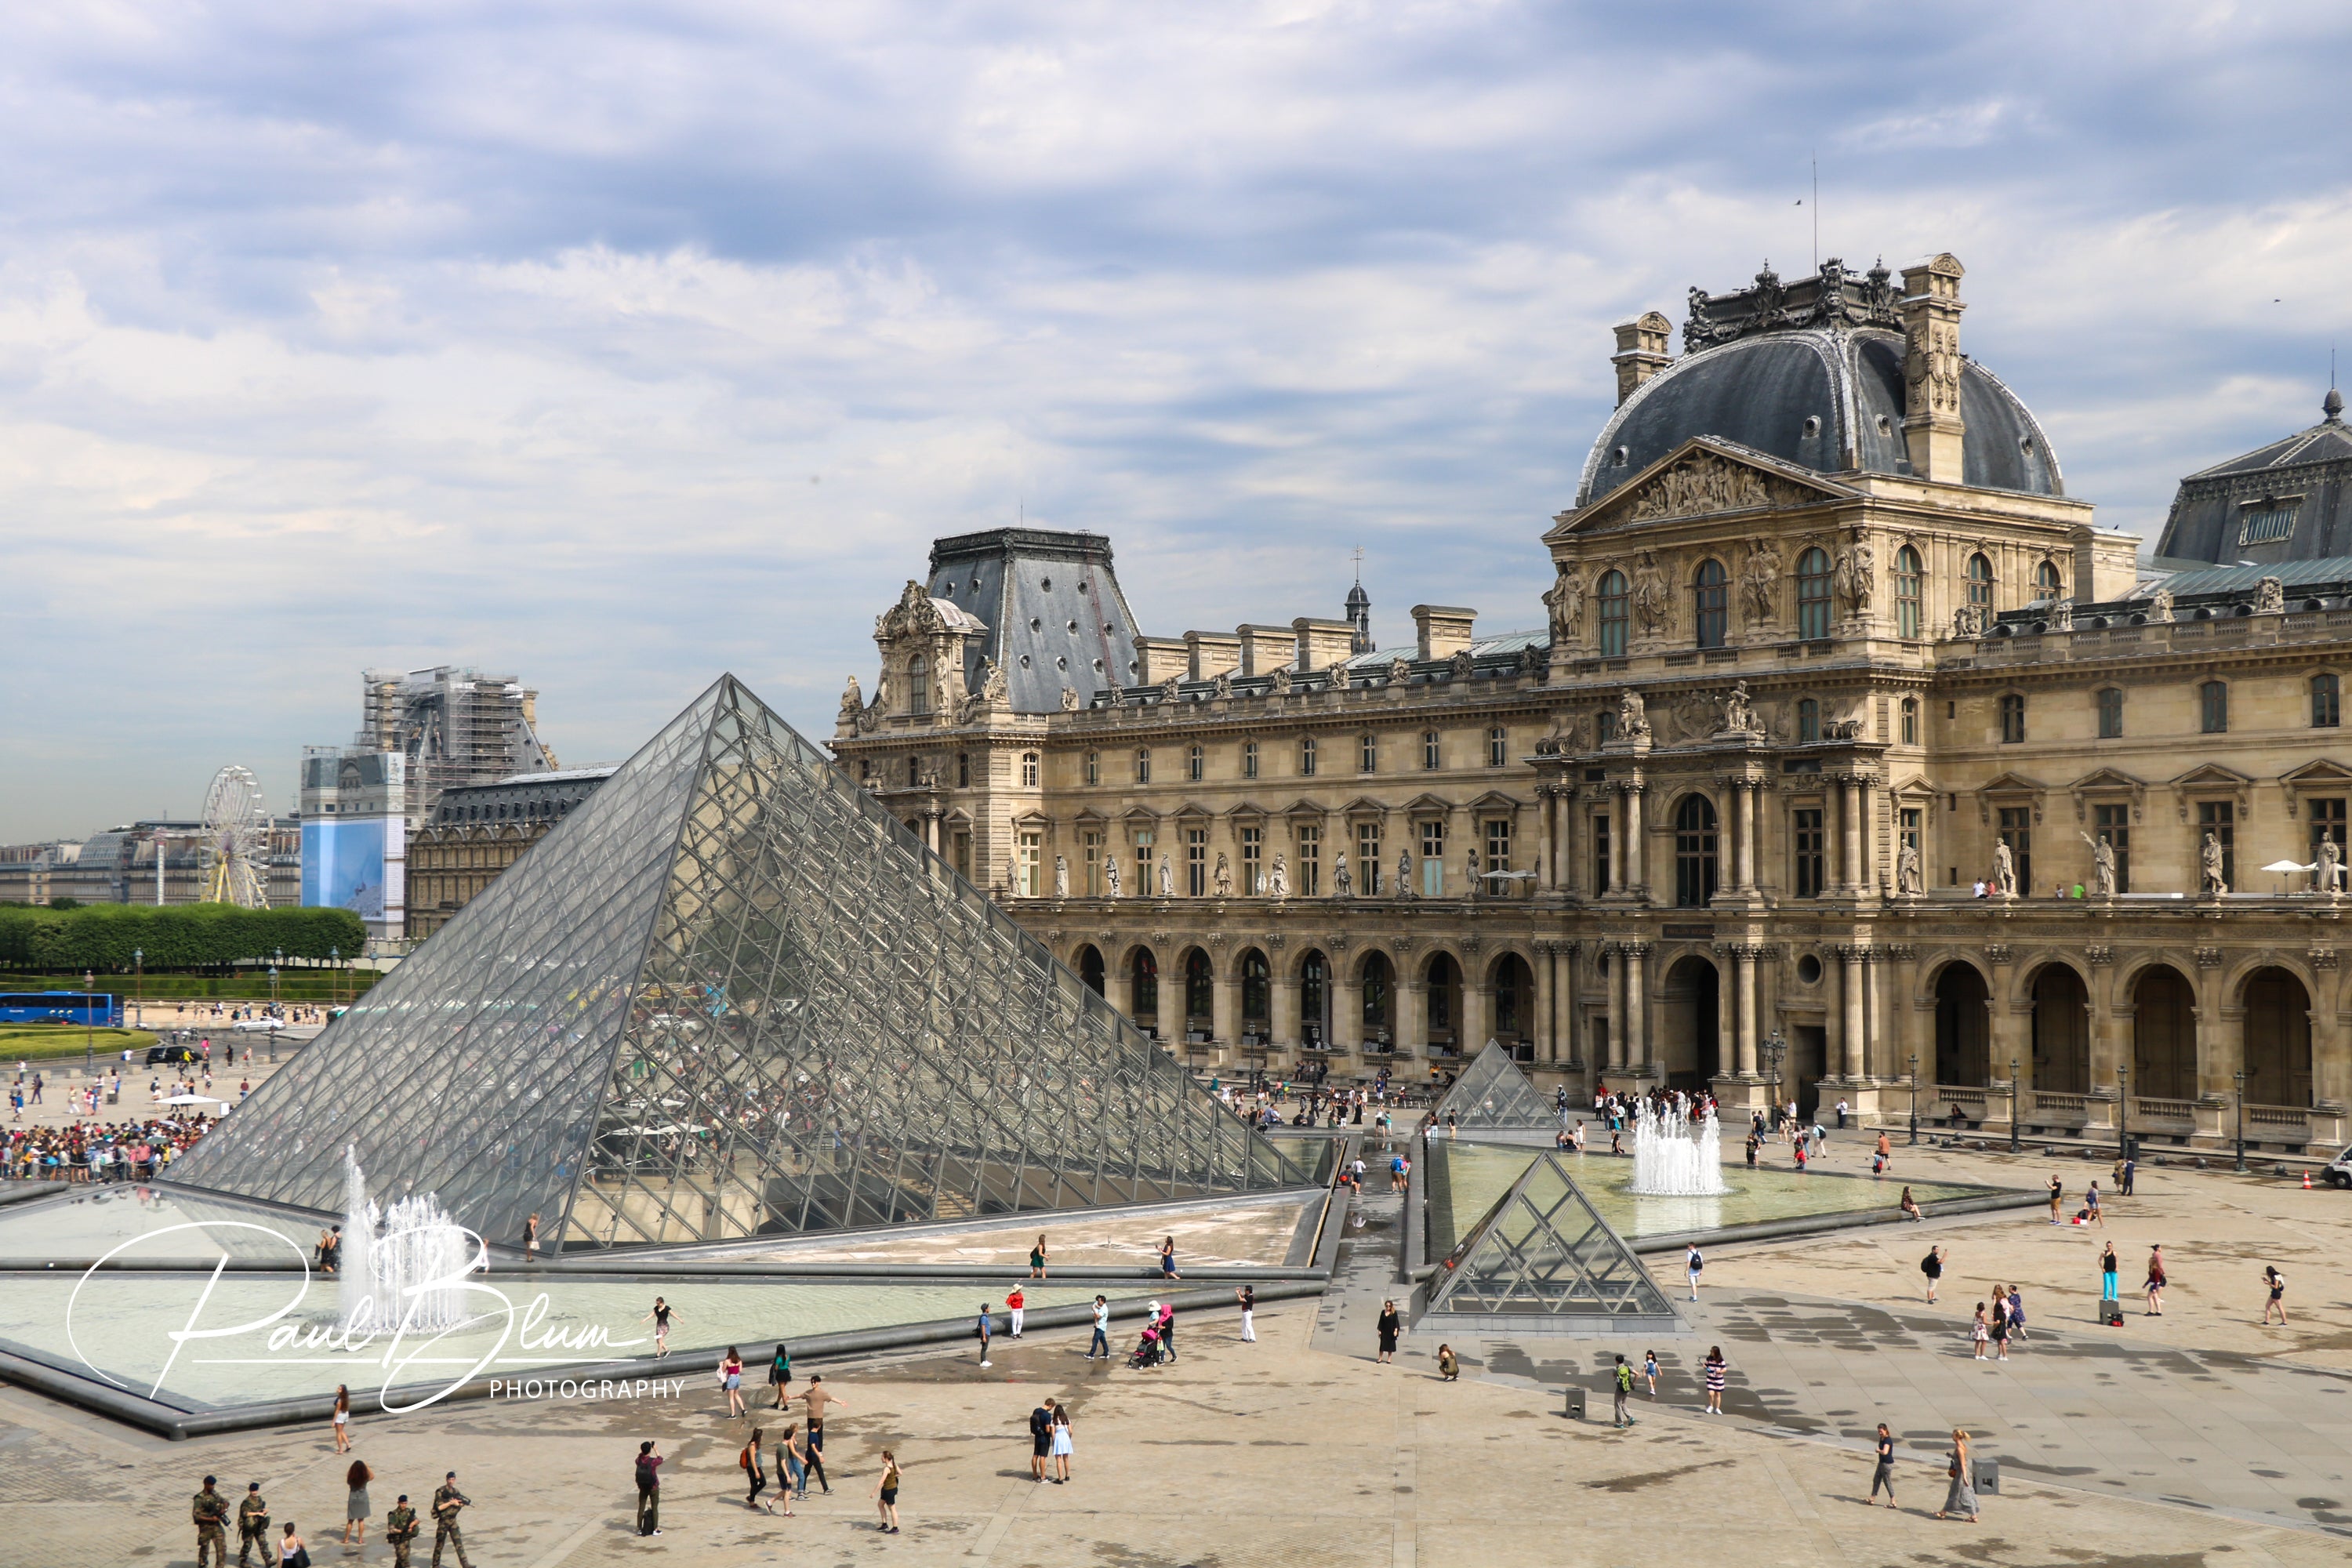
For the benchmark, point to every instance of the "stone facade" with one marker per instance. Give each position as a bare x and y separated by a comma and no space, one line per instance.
1722,818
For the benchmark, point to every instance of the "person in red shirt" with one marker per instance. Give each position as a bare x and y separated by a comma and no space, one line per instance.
1013,1304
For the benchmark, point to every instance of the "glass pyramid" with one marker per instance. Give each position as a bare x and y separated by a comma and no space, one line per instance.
1543,1253
732,997
1493,1093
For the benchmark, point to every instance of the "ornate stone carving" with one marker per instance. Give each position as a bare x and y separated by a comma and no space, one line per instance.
1167,879
1760,582
1968,622
1998,952
1338,679
1404,875
1168,687
2103,864
1277,881
1740,713
1221,685
1399,670
2209,958
2159,605
1110,877
1855,575
1706,482
2210,865
1282,681
1832,295
2270,597
1061,876
1654,608
2004,871
1461,664
1565,603
993,693
2331,867
1632,719
853,704
1932,366
2062,616
1907,879
1343,884
2099,956
1223,878
2321,958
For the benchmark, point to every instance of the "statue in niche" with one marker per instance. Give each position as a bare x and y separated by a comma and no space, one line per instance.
1632,718
1740,712
2214,885
1565,603
1167,879
1342,884
1470,873
2103,864
1907,879
1070,699
1277,881
1760,581
1222,878
1856,575
2004,871
1111,876
2159,605
2331,867
1404,875
1653,605
1061,876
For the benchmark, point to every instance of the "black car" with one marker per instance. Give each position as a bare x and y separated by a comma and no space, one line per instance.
159,1056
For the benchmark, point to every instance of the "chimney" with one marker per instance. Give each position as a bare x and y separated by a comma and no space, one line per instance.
1322,643
1444,630
1265,649
1162,657
1214,653
1640,350
1930,309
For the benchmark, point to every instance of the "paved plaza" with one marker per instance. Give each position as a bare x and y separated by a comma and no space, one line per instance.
2196,1438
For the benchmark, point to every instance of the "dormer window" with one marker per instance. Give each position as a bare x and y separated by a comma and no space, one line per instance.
2269,520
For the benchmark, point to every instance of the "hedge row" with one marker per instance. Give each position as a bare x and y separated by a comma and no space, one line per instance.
102,937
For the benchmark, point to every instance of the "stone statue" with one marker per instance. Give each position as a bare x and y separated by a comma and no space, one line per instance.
1462,665
1277,881
1967,621
1470,873
1342,884
1168,687
1399,670
2209,859
993,688
1566,605
1111,876
1222,877
852,702
1907,880
2004,871
2062,616
1061,876
1404,875
2331,867
1069,700
1167,879
1632,718
2270,597
1653,605
1740,712
1338,679
1857,574
1760,582
2103,865
2159,604
1282,681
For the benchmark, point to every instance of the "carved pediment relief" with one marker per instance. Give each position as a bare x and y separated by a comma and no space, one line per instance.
1700,478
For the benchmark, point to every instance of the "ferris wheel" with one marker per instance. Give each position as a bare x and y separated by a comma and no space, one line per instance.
237,841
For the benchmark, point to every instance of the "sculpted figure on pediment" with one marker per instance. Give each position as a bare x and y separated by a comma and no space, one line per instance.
1701,483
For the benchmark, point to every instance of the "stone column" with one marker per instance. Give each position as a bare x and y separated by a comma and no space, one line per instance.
1546,808
1281,1008
2216,1057
1856,959
1411,1016
1726,1015
1546,1041
1747,788
1477,1007
1745,955
1617,847
1902,1038
1563,844
1224,1007
1616,956
1873,1019
1849,851
1347,1007
1637,1006
1637,871
1564,1002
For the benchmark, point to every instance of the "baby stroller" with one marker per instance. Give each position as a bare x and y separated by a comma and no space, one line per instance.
1147,1351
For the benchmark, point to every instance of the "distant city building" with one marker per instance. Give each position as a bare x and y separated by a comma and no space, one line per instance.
354,812
120,865
25,869
478,831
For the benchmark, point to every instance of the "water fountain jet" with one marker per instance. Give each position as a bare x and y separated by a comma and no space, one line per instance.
1674,1157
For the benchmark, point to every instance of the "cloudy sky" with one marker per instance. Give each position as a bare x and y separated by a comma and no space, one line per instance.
614,345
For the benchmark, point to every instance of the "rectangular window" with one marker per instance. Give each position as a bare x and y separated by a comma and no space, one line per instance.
962,846
1368,756
1090,851
2012,720
1809,841
1911,833
2327,703
1499,747
2213,707
1307,758
1308,883
2267,521
1599,852
2111,825
1196,861
1032,863
1145,886
1429,748
1910,721
1368,859
1252,861
1195,764
1143,766
1094,767
1249,759
964,769
1498,853
2327,824
2220,818
2111,712
1433,859
2017,832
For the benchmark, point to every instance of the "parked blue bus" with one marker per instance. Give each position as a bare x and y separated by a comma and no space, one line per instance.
61,1007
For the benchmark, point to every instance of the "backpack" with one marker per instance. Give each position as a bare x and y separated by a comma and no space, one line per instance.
743,1460
645,1473
1697,1262
1928,1265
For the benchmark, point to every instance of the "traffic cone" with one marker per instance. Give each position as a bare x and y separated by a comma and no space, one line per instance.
2306,1180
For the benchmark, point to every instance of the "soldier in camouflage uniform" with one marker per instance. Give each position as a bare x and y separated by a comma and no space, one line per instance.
253,1526
445,1504
210,1513
400,1527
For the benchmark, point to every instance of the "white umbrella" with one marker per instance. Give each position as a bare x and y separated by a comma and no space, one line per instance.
2289,866
192,1100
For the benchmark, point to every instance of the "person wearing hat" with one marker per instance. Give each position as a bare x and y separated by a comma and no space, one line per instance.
253,1525
210,1515
400,1527
445,1504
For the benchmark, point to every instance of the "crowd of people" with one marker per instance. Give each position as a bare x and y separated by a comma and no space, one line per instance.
100,1151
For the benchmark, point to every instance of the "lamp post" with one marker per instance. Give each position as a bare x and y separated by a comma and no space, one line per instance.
276,958
2239,1078
335,982
2012,1105
2122,1111
1915,1097
1775,1048
89,1023
139,984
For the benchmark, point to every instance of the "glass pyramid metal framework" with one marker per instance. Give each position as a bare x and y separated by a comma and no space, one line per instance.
1493,1093
732,997
1543,1257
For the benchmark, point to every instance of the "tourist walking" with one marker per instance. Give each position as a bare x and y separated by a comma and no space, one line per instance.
1247,1296
819,1399
1390,1326
209,1515
779,1376
355,1507
2156,1280
1015,1303
731,1378
1038,1259
1715,1378
291,1551
1061,1442
1932,1265
649,1490
253,1525
2091,1215
984,1327
659,1316
2108,1267
1649,1371
885,1493
791,1473
1621,1390
1883,1474
2275,1282
1101,1341
2123,1178
755,1474
400,1527
1961,1496
341,1418
1692,1261
446,1502
2017,1313
1167,1326
1885,1150
530,1237
1167,1259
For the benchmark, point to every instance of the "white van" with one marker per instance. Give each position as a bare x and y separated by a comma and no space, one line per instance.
2339,1170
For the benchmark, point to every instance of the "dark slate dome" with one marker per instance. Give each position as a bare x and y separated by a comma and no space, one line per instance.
1826,396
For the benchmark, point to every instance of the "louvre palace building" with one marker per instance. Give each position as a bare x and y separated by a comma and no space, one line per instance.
1857,762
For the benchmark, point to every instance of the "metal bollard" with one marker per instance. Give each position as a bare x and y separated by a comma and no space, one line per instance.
1575,1411
1988,1475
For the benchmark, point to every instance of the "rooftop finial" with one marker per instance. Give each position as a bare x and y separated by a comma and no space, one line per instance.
2332,406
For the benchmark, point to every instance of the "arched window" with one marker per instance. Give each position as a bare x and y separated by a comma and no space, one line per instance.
1429,755
2214,706
2111,712
2012,720
2046,583
1980,585
918,685
1906,593
1306,757
1711,591
1808,721
1499,747
1694,852
1814,594
1144,764
1910,721
1257,991
1367,755
1613,603
1194,764
1029,769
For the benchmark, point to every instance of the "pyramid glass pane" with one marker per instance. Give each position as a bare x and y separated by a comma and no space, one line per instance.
1493,1093
733,996
1542,1252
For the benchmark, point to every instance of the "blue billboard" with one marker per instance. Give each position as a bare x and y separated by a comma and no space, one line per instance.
347,864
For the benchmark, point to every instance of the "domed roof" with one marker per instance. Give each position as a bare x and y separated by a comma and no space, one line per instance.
1827,397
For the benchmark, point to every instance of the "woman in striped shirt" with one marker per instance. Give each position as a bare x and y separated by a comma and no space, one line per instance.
1714,1380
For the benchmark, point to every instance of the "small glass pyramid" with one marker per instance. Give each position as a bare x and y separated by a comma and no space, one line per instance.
1542,1252
729,996
1493,1093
